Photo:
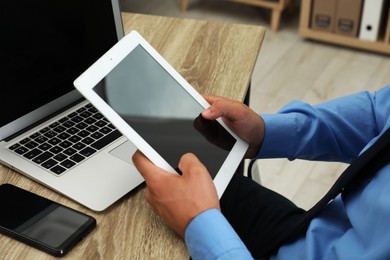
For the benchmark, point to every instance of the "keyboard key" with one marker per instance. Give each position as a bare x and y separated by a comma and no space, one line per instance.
98,116
78,146
14,146
88,140
100,123
97,135
56,149
25,141
106,140
72,130
50,134
43,157
85,114
41,139
105,130
81,125
77,119
63,120
49,163
31,145
73,114
92,128
74,138
59,129
21,150
77,158
88,151
33,153
68,124
83,133
70,151
45,146
93,110
90,121
60,157
67,163
58,169
54,141
63,136
65,144
80,110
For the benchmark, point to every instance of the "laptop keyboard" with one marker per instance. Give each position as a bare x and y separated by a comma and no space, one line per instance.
68,141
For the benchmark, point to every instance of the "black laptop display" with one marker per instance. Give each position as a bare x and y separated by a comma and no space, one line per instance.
46,45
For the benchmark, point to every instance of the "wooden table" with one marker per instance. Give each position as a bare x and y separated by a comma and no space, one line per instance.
216,59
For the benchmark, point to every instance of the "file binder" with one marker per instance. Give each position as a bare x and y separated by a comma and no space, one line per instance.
347,18
387,34
371,18
323,15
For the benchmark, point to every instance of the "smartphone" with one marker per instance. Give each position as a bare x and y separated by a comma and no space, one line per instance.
40,222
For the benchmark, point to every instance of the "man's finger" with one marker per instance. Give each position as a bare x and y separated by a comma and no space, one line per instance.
212,99
228,109
147,169
190,164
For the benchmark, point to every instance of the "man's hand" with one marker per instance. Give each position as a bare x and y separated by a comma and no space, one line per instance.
243,121
178,198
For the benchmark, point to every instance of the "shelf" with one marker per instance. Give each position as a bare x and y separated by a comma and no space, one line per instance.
276,7
380,46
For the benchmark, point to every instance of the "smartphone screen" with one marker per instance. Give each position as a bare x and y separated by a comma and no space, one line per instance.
40,222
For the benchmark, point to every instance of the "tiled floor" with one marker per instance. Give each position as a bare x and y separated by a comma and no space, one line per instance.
288,67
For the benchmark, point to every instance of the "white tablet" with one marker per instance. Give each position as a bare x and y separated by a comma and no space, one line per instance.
135,88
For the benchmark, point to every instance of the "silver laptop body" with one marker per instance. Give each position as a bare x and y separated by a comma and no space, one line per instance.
49,44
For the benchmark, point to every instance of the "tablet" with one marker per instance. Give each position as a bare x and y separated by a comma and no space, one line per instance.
148,101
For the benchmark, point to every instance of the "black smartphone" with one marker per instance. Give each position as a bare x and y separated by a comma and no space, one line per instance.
40,222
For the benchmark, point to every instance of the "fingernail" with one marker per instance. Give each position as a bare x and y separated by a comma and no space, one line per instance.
206,112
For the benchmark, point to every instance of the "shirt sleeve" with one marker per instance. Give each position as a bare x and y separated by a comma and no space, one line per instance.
336,130
356,226
210,236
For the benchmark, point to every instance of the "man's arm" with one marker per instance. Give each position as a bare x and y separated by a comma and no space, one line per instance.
336,130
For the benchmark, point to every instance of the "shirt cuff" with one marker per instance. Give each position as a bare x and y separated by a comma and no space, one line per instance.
210,236
279,132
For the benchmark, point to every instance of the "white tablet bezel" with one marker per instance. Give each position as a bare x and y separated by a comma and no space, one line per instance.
102,67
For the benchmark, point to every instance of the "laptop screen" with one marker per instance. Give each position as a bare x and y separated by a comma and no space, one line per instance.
46,45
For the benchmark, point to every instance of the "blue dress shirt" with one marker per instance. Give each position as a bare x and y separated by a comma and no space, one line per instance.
337,130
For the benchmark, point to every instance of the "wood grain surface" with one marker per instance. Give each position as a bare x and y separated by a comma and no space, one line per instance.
215,58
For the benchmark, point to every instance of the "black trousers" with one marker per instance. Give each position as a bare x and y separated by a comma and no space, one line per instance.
262,218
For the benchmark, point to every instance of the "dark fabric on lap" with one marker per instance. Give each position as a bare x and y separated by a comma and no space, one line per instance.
259,216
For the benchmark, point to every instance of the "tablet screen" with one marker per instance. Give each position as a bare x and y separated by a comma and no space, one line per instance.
163,113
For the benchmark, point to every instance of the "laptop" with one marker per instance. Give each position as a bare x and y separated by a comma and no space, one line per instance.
48,131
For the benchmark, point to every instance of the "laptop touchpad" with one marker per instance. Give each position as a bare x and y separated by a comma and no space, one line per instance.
124,152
